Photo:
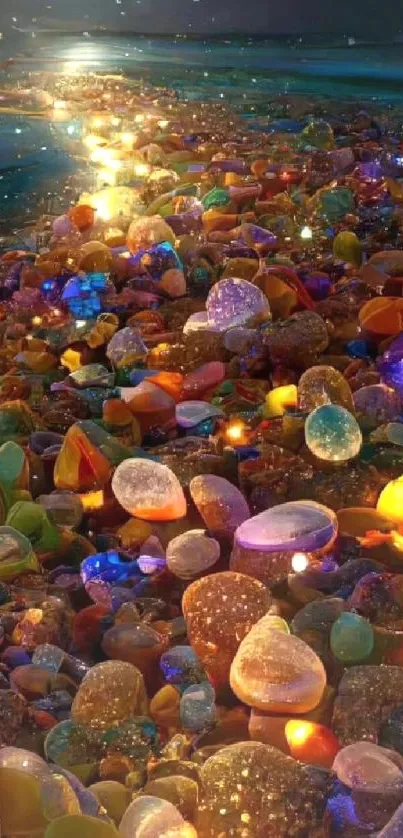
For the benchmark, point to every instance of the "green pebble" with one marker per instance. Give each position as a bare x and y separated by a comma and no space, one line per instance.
351,638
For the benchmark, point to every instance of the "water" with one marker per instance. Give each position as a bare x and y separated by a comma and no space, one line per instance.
247,73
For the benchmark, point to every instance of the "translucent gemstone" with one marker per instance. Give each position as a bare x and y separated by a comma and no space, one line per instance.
139,644
92,375
332,433
48,657
150,817
149,490
197,707
113,796
111,693
347,247
219,611
390,365
192,553
277,672
298,525
253,790
63,508
221,505
233,302
203,378
12,460
126,342
351,638
16,555
390,501
364,766
324,385
181,665
189,414
311,742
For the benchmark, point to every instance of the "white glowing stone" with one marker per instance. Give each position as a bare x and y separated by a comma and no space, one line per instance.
149,490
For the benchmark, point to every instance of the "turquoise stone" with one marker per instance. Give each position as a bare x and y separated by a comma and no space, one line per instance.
351,638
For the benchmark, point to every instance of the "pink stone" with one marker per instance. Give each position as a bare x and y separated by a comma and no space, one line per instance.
203,378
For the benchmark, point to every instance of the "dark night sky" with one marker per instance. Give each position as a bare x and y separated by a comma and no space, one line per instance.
371,17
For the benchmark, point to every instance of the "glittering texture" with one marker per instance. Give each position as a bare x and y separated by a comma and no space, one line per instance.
111,693
219,611
250,790
332,433
233,302
323,385
372,692
149,490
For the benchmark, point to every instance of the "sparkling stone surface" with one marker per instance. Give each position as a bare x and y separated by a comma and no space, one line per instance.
324,385
219,611
332,433
111,693
367,767
149,490
277,672
297,525
233,302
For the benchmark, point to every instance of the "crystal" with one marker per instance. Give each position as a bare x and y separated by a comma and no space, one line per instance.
219,611
149,490
111,693
332,433
277,672
48,657
233,302
145,232
125,344
251,789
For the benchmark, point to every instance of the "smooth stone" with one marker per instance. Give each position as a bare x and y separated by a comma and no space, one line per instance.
182,792
364,766
220,609
203,378
148,490
221,505
277,672
197,707
294,526
138,644
80,825
377,403
113,796
151,817
180,665
351,638
192,553
111,693
191,413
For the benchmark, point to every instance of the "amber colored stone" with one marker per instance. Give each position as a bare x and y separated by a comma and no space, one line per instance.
170,382
134,532
182,792
80,465
381,317
164,707
220,610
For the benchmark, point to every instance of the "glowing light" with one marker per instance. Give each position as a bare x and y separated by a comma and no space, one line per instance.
139,118
92,500
297,733
163,123
107,176
71,129
37,320
306,233
91,141
116,121
71,68
59,105
98,122
80,323
299,562
127,138
235,432
141,169
390,501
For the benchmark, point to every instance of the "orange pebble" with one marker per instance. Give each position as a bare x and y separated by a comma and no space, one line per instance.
170,382
83,216
311,742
